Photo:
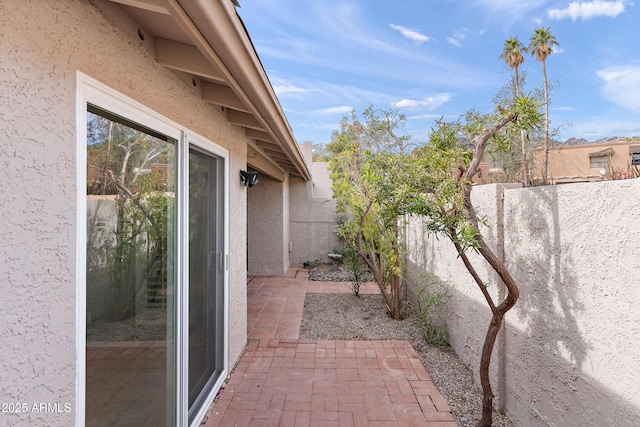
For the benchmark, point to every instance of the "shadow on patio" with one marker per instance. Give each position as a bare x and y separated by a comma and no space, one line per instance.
283,381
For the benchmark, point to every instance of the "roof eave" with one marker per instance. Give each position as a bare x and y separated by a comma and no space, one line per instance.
219,33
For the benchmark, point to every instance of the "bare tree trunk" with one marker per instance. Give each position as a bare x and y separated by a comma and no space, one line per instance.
393,298
525,164
105,178
376,267
498,313
545,157
396,285
512,288
485,363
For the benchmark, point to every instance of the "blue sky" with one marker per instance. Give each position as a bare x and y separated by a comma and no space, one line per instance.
440,58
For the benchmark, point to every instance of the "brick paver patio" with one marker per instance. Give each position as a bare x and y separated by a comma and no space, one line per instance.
283,381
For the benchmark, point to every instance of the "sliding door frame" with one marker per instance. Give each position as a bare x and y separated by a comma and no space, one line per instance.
91,91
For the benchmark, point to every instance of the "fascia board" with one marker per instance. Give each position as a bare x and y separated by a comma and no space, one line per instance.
215,23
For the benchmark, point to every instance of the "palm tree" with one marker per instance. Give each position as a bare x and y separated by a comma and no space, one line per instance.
541,46
512,56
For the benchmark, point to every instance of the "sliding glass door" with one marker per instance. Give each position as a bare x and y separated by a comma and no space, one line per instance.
130,285
206,276
154,317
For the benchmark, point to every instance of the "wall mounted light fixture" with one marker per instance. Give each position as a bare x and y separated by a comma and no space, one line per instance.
249,179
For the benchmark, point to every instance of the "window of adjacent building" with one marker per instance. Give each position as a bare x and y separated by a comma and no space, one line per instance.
599,162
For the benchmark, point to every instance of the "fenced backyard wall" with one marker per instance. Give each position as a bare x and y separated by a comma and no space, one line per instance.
313,220
569,353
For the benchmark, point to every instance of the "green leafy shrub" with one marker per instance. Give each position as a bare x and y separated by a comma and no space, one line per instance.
432,295
352,262
311,264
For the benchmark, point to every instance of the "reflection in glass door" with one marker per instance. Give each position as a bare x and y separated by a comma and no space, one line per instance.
206,276
130,287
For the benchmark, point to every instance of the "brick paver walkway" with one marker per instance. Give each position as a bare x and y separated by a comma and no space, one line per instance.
284,381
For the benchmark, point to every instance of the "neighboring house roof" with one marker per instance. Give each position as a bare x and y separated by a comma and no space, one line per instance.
605,152
206,43
576,163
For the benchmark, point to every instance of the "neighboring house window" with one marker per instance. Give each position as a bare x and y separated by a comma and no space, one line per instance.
634,151
600,159
600,162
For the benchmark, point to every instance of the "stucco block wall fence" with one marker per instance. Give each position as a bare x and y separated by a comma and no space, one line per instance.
313,219
569,353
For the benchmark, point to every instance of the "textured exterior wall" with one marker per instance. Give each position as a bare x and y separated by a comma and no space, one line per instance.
321,180
313,219
42,45
569,354
573,353
268,244
467,315
313,224
286,223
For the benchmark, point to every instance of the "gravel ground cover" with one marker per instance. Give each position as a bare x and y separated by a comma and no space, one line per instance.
347,317
147,325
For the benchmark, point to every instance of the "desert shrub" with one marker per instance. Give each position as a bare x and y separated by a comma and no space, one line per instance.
431,297
352,263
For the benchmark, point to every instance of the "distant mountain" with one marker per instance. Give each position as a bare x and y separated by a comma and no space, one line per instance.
582,141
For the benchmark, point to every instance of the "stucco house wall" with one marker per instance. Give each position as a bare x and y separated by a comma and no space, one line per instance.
573,163
312,215
567,355
43,45
268,227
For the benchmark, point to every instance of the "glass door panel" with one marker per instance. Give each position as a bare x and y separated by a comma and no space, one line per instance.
130,373
206,280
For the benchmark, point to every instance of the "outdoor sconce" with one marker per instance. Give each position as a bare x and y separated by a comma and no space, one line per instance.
249,179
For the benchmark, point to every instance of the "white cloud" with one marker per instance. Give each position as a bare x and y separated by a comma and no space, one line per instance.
588,10
411,34
343,109
429,116
510,11
595,127
453,41
288,90
459,36
432,102
462,34
622,85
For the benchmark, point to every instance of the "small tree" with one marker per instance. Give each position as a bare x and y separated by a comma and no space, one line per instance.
374,182
353,263
449,209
